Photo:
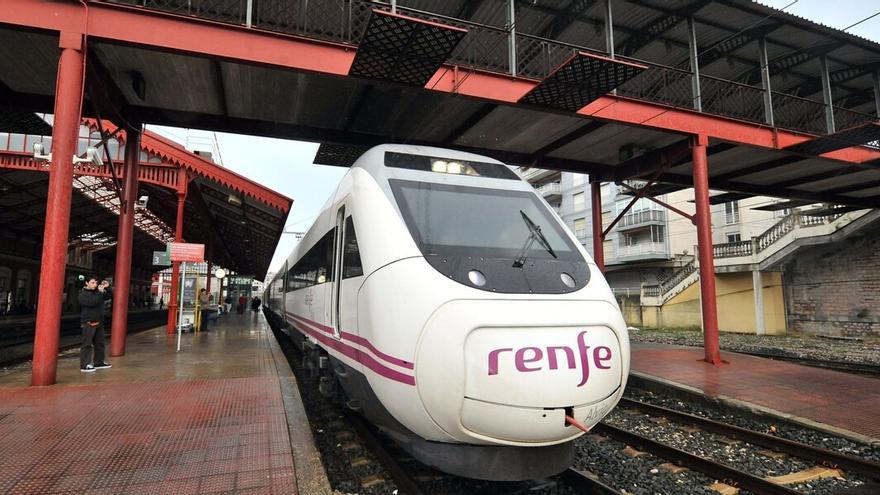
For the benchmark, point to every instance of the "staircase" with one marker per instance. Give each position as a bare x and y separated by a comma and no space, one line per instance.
766,251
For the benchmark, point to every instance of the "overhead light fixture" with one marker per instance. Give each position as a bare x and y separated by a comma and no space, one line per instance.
234,200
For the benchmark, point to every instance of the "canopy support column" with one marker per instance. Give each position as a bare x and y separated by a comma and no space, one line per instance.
173,303
122,279
68,105
758,287
598,237
704,246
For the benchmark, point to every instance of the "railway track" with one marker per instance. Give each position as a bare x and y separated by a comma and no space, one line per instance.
825,457
730,475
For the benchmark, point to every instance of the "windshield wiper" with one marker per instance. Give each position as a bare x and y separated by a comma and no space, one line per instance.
535,234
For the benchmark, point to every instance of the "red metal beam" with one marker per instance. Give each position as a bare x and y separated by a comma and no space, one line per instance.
704,246
68,105
124,237
138,26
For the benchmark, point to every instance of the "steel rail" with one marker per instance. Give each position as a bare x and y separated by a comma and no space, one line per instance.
583,483
713,469
826,457
404,482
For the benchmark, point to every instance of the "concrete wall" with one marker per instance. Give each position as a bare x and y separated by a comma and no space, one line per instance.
736,305
631,310
834,289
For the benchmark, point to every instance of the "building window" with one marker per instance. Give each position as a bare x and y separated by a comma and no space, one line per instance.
580,227
734,237
731,212
578,201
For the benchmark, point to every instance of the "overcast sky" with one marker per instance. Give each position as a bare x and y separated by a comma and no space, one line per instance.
286,166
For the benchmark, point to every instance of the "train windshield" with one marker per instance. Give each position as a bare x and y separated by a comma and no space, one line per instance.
452,220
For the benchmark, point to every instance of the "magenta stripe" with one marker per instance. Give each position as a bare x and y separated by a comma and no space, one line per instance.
358,356
357,339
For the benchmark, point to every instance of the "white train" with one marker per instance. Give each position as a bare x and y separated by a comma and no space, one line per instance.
439,295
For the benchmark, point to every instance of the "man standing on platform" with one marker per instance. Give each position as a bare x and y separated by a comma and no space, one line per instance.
91,300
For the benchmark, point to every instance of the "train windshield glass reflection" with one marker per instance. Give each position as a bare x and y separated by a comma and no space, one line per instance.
450,220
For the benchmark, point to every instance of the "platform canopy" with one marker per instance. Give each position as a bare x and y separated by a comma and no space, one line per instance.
359,77
238,220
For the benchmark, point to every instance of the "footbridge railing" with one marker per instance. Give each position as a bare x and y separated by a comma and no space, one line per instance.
497,49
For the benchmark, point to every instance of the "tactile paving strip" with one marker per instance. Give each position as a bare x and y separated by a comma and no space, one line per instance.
403,49
580,80
189,437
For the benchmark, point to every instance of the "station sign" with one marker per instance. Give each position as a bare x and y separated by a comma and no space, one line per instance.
161,258
183,251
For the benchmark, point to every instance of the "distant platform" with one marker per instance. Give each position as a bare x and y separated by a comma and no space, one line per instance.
222,415
837,402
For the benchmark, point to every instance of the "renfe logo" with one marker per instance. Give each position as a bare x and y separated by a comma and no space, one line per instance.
526,355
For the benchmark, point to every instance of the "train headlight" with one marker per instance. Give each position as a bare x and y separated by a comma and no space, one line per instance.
438,166
453,168
477,278
567,279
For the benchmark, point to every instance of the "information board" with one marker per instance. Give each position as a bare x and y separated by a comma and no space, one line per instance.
182,251
161,258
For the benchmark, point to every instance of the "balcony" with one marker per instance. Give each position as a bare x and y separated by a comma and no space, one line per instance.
643,251
536,174
550,191
641,219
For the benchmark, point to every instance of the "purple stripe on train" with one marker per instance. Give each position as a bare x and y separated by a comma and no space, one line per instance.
357,339
355,354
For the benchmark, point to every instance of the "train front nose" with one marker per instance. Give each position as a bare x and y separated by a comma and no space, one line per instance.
508,372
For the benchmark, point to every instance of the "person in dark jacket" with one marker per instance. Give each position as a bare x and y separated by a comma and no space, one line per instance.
91,300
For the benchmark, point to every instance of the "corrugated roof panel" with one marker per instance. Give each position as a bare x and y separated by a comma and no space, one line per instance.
491,13
449,8
519,129
791,171
843,180
584,34
603,145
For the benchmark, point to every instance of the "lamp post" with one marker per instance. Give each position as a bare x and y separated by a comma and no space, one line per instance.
220,274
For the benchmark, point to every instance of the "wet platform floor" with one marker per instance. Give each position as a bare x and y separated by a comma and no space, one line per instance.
840,402
220,416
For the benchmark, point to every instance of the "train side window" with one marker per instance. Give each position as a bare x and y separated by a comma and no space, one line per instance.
291,279
351,256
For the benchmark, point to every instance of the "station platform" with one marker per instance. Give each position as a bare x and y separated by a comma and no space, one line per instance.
223,415
841,403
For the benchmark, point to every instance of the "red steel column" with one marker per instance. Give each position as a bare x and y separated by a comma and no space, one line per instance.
598,244
704,245
175,271
208,282
68,105
122,279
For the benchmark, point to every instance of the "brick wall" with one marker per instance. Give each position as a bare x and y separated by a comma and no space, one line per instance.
834,289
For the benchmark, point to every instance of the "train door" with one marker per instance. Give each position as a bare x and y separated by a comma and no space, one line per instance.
335,299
